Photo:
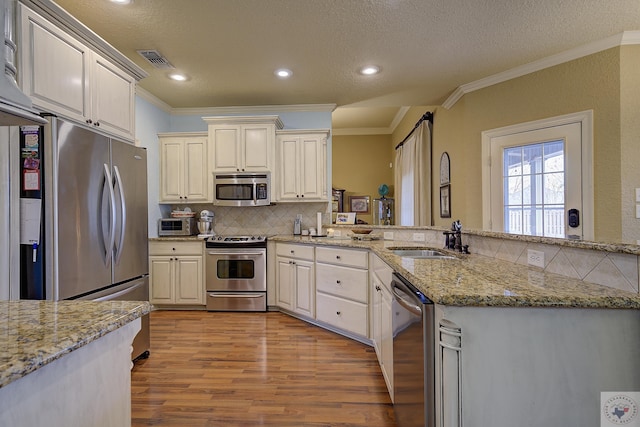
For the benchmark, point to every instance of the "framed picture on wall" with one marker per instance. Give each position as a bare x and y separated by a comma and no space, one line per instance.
359,204
445,201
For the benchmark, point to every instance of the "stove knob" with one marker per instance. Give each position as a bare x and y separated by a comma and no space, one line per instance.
253,237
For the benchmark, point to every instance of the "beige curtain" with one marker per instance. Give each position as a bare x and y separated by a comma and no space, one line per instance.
413,178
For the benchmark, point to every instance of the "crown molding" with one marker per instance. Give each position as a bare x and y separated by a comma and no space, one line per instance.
152,99
254,109
63,19
402,111
625,38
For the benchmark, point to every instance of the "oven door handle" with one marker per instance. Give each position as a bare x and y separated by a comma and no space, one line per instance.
235,253
218,295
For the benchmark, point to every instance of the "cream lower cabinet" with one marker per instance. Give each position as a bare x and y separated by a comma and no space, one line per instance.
342,289
63,75
176,273
302,165
381,316
295,278
183,168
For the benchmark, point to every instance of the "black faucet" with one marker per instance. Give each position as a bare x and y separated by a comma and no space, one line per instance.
453,238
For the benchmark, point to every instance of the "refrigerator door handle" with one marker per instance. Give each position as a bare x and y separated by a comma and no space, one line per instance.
110,240
123,214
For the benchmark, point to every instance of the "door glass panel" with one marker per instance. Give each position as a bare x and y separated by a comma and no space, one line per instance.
234,191
534,189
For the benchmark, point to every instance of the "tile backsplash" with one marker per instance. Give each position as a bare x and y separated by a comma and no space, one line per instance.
264,220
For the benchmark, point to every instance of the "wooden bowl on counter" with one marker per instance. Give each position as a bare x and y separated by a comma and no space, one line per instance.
361,230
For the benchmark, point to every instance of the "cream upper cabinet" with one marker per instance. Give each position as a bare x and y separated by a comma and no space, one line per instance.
302,165
63,75
242,143
183,168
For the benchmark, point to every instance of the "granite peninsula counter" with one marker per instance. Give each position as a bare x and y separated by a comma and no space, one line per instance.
61,362
476,280
512,342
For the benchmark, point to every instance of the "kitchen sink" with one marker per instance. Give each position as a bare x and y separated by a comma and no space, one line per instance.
422,253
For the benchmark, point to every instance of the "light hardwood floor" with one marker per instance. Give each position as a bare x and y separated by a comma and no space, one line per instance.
252,369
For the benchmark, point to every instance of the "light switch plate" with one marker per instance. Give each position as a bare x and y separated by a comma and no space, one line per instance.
388,235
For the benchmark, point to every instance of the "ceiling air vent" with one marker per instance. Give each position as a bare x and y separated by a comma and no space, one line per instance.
156,59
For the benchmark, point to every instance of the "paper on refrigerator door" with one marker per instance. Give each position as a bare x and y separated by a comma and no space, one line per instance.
30,221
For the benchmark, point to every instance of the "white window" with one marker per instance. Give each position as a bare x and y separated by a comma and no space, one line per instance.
535,174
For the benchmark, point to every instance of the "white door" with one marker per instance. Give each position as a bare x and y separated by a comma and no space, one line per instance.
537,177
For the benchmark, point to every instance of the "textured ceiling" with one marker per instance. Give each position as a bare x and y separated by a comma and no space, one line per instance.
426,48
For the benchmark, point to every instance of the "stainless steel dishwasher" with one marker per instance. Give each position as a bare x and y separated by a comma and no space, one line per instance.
413,356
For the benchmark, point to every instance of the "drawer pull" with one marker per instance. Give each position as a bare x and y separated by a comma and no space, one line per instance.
337,256
378,288
338,282
338,313
292,251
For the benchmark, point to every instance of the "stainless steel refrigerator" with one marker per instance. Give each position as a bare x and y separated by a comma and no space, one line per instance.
84,217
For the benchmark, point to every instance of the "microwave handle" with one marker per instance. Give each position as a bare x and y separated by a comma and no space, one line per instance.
255,194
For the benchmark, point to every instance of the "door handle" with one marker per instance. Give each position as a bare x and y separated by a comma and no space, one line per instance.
123,214
112,220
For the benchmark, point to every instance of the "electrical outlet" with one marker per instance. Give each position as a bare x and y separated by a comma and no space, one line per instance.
388,235
535,258
418,237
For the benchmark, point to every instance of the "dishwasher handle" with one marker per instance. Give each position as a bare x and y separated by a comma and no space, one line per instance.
405,299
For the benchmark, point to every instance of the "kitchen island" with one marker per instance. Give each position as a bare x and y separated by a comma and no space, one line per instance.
67,363
514,345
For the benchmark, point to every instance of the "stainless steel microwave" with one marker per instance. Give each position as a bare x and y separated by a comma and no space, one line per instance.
242,189
177,227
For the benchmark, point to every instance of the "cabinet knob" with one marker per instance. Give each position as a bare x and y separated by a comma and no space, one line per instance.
297,195
173,249
96,124
337,256
89,121
338,313
302,195
378,288
338,282
292,251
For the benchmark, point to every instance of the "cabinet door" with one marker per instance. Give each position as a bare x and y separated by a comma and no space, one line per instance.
312,170
54,67
195,170
189,282
257,143
288,168
304,290
285,277
171,170
113,98
375,327
226,148
161,279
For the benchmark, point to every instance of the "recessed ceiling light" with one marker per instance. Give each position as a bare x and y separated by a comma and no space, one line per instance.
369,70
121,1
283,73
178,77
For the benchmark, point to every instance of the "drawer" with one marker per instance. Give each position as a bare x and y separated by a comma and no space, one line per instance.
176,248
348,257
236,301
381,270
341,313
295,251
345,282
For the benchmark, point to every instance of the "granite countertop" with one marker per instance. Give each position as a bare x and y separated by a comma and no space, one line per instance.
177,239
35,333
476,280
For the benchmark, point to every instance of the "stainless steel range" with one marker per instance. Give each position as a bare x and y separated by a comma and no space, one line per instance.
236,273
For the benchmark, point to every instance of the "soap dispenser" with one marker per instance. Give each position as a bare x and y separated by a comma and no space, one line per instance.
297,225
